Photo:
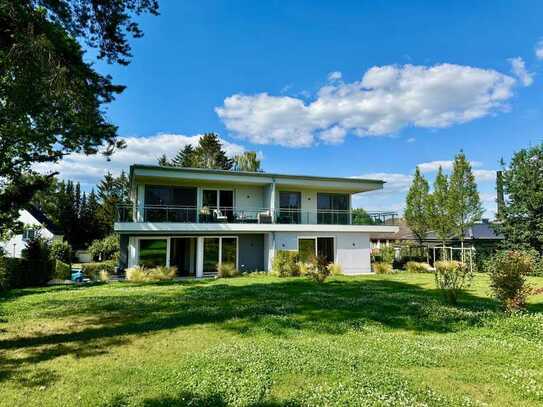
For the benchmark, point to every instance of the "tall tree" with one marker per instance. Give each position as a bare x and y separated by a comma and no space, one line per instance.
439,208
247,161
51,99
209,153
163,161
185,157
417,207
522,215
464,203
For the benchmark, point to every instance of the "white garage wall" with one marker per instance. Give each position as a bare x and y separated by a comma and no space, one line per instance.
352,249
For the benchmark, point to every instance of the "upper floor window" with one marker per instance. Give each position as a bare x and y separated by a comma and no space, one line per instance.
29,234
290,204
333,209
169,195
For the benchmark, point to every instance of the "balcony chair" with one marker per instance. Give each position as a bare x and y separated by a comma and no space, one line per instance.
219,217
264,217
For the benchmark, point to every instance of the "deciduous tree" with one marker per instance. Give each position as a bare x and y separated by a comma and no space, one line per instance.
417,207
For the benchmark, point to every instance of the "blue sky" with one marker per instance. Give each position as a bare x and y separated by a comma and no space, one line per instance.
357,88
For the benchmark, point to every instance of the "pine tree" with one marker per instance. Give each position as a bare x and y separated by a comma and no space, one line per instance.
417,207
464,203
439,207
185,157
163,161
108,199
209,153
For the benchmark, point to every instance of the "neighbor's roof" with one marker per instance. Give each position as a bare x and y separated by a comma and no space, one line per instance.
253,174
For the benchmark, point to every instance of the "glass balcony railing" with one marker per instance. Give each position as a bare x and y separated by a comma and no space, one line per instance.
184,214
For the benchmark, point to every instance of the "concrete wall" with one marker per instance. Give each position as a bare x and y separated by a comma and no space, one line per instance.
251,252
249,198
352,250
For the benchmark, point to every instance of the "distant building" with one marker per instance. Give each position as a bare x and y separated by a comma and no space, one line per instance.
35,222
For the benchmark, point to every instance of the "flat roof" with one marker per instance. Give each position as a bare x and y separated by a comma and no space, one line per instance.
253,174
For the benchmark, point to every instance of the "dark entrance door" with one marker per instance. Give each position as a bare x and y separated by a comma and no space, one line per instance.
183,255
325,248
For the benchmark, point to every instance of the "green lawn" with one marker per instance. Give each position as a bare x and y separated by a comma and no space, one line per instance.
262,341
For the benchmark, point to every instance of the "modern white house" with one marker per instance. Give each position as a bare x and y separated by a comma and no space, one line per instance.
195,219
34,222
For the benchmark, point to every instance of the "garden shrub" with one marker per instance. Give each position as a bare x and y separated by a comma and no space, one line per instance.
508,271
317,269
103,276
63,271
335,269
285,264
92,270
40,267
61,250
159,273
4,275
226,270
135,274
451,277
106,249
382,268
418,267
302,267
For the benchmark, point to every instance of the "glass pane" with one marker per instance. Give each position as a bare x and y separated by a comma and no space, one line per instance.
209,198
306,249
229,250
153,252
290,203
325,248
211,254
226,199
157,195
183,196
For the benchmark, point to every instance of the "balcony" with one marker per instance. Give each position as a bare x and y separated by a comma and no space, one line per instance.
184,214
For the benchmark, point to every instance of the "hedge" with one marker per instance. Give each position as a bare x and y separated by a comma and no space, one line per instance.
63,271
21,273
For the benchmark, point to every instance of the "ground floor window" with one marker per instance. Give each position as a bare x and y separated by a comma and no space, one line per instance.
219,250
152,252
316,246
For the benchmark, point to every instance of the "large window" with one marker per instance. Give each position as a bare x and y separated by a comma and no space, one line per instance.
219,250
316,246
289,204
170,204
333,209
222,199
153,252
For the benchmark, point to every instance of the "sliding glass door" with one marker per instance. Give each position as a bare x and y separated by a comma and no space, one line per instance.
316,246
333,209
220,199
219,250
170,204
290,204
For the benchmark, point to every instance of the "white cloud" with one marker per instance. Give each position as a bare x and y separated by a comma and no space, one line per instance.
334,76
433,166
384,101
518,67
485,175
411,139
140,150
539,49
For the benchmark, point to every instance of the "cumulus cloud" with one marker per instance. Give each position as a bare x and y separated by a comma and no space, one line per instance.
140,150
385,100
433,166
539,49
334,76
518,67
411,139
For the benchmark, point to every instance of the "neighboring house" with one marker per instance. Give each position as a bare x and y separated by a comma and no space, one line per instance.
196,218
34,222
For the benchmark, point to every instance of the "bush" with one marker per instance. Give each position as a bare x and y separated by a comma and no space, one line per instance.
63,271
451,277
226,270
508,271
40,268
103,276
285,264
159,273
61,250
5,282
418,267
317,269
92,270
335,269
135,274
302,267
382,268
106,249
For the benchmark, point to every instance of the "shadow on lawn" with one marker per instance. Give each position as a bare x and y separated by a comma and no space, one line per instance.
276,307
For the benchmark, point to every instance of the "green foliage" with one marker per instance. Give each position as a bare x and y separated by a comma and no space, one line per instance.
508,270
464,203
384,254
106,249
135,274
285,264
52,98
418,267
63,271
5,282
451,277
382,268
103,276
92,270
439,207
226,270
38,260
522,216
318,269
361,217
417,209
142,274
247,161
61,250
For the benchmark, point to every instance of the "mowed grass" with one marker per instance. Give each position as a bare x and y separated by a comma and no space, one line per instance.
263,341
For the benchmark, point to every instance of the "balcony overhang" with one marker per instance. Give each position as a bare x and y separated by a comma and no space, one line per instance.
170,227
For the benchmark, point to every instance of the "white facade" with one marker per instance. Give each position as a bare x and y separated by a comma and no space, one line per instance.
15,245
